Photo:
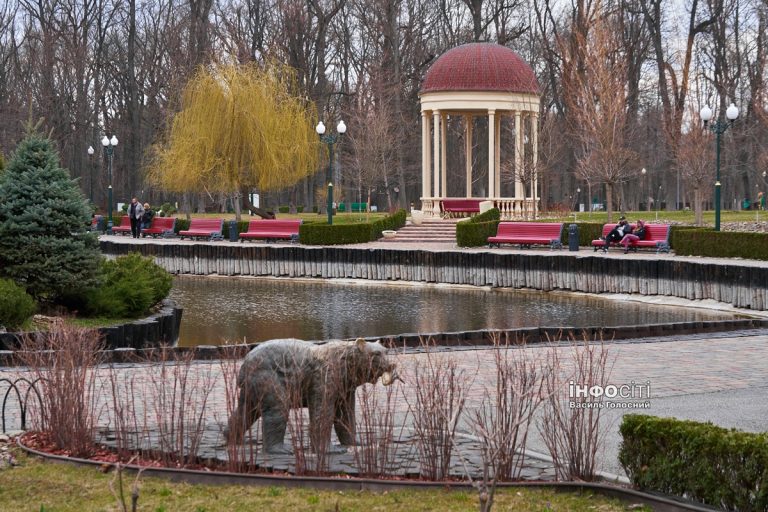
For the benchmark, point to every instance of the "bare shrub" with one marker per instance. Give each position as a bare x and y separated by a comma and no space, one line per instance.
179,389
573,435
504,419
124,411
64,361
376,454
240,454
440,388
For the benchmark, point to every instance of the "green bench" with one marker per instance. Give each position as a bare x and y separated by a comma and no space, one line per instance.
353,207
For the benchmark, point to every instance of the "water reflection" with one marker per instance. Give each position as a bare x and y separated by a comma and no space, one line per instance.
217,310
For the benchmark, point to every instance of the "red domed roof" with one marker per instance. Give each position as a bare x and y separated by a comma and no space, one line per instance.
480,67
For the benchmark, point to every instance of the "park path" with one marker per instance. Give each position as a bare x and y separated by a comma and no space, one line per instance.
714,377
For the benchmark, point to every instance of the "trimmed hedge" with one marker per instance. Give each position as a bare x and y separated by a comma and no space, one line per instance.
475,231
311,233
723,468
720,244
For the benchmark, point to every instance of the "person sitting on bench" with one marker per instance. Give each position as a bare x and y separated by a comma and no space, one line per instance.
617,233
633,236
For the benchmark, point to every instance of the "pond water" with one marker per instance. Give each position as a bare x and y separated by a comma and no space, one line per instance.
236,310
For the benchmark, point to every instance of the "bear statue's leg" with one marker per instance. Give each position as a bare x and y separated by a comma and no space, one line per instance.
274,422
344,420
245,415
321,418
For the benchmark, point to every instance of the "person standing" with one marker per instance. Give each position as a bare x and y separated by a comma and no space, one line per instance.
135,212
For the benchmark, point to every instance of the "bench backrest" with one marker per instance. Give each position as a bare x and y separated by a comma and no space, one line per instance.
461,203
125,221
212,225
289,226
550,230
163,223
657,232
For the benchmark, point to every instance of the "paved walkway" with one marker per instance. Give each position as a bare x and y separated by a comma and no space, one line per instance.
451,246
722,378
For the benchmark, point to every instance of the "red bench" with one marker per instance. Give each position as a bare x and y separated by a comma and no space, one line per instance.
162,226
449,206
204,228
656,237
96,223
124,227
528,233
271,229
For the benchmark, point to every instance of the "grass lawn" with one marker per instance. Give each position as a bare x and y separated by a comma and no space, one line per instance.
686,217
38,485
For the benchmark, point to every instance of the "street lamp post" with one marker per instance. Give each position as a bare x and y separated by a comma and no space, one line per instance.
109,147
658,203
648,197
718,128
91,151
330,139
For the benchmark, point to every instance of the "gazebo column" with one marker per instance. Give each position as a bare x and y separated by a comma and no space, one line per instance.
519,156
468,151
436,151
426,161
497,162
491,152
443,155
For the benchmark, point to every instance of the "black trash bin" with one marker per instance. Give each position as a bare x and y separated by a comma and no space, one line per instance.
233,231
573,237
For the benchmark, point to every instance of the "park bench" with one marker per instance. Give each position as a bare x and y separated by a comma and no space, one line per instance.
353,207
528,233
163,226
656,237
97,223
125,226
272,229
459,206
204,228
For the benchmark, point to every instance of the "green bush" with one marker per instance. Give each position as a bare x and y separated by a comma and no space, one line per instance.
723,468
128,287
167,209
311,233
44,220
283,209
588,231
390,222
16,305
475,231
181,225
720,244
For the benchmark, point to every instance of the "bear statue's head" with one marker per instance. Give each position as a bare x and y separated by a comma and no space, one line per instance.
369,361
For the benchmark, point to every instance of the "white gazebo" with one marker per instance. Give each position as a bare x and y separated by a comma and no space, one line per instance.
473,80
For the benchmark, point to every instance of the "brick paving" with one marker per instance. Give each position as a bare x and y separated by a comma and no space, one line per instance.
685,369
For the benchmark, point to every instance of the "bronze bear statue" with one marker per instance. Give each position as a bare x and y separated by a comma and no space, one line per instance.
279,375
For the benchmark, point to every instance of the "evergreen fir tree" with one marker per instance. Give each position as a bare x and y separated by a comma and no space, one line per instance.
44,244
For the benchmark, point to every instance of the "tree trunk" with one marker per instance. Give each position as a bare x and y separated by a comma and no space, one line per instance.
698,213
247,206
609,201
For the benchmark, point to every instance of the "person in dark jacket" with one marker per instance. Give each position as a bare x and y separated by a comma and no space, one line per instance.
617,233
146,218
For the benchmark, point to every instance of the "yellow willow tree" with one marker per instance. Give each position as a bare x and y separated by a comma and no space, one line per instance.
240,127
